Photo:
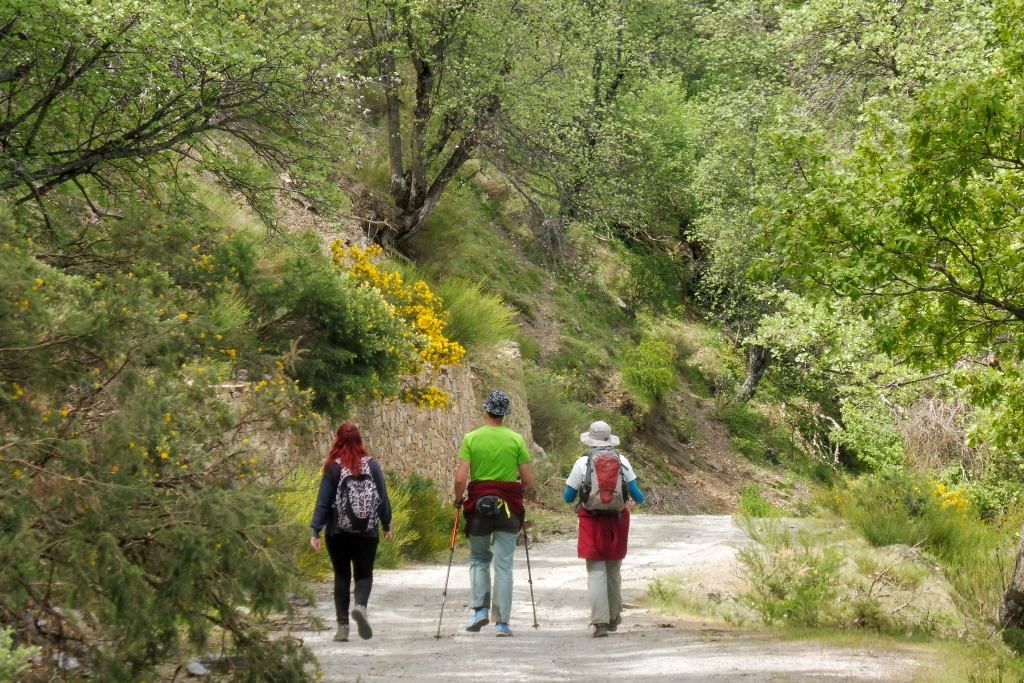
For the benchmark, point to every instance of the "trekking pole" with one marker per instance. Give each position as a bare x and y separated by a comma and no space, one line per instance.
451,556
529,574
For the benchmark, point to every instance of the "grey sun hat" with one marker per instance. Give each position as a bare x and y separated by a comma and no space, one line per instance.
600,434
498,403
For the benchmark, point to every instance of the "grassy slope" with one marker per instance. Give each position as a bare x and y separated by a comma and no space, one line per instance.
573,332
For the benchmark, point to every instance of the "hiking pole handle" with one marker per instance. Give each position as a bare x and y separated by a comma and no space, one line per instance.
455,529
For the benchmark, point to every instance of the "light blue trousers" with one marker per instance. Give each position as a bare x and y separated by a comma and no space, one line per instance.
499,546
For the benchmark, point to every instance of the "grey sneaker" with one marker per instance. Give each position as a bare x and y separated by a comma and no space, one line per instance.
362,623
600,630
341,635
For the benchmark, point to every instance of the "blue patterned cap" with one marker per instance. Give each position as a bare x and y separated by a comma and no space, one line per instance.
498,403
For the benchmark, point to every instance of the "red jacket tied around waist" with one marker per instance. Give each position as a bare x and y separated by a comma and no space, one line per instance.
509,491
602,536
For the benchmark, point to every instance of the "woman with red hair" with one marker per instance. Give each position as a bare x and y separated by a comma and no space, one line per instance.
352,500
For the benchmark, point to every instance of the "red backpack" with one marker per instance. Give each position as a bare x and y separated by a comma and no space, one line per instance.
604,486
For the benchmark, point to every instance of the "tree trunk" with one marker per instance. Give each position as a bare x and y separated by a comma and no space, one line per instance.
758,360
1011,610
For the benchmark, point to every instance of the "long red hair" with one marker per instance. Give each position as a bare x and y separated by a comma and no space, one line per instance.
348,448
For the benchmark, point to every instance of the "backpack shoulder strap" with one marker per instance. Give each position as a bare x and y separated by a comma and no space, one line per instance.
584,491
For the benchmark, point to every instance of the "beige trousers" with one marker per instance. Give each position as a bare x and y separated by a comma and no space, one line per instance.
604,583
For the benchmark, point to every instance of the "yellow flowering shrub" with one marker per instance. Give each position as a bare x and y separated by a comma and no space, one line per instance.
417,305
949,498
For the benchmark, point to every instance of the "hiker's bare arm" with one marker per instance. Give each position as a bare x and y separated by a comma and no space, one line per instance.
461,479
526,475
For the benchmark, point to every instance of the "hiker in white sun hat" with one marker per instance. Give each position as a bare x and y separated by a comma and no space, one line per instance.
606,486
599,435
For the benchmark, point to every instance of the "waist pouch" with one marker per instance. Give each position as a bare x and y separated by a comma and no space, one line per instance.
492,506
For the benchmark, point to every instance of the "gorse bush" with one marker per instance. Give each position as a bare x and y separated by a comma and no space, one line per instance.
792,579
904,508
129,488
421,310
14,661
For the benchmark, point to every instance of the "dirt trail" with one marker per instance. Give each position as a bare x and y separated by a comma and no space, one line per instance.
648,647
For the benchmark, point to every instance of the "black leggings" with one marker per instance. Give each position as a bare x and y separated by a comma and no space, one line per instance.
351,554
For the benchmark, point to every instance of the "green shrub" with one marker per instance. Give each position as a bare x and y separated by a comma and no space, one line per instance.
753,504
655,281
295,500
421,522
792,579
871,434
903,508
649,370
426,523
14,661
477,319
555,418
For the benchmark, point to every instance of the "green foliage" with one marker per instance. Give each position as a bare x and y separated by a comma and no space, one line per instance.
792,579
903,508
14,660
109,89
422,522
556,419
753,504
655,280
649,370
477,319
757,437
142,507
869,432
342,340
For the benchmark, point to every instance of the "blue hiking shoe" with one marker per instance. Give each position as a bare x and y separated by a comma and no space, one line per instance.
478,621
502,630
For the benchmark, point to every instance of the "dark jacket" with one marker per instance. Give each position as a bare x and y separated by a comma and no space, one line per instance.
324,514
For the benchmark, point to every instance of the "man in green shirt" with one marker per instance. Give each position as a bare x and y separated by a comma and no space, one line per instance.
495,463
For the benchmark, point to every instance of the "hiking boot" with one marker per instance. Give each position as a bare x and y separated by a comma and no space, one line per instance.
478,621
613,625
502,630
341,635
362,623
601,630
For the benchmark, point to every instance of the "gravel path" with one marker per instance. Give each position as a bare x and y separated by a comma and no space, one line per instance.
648,647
